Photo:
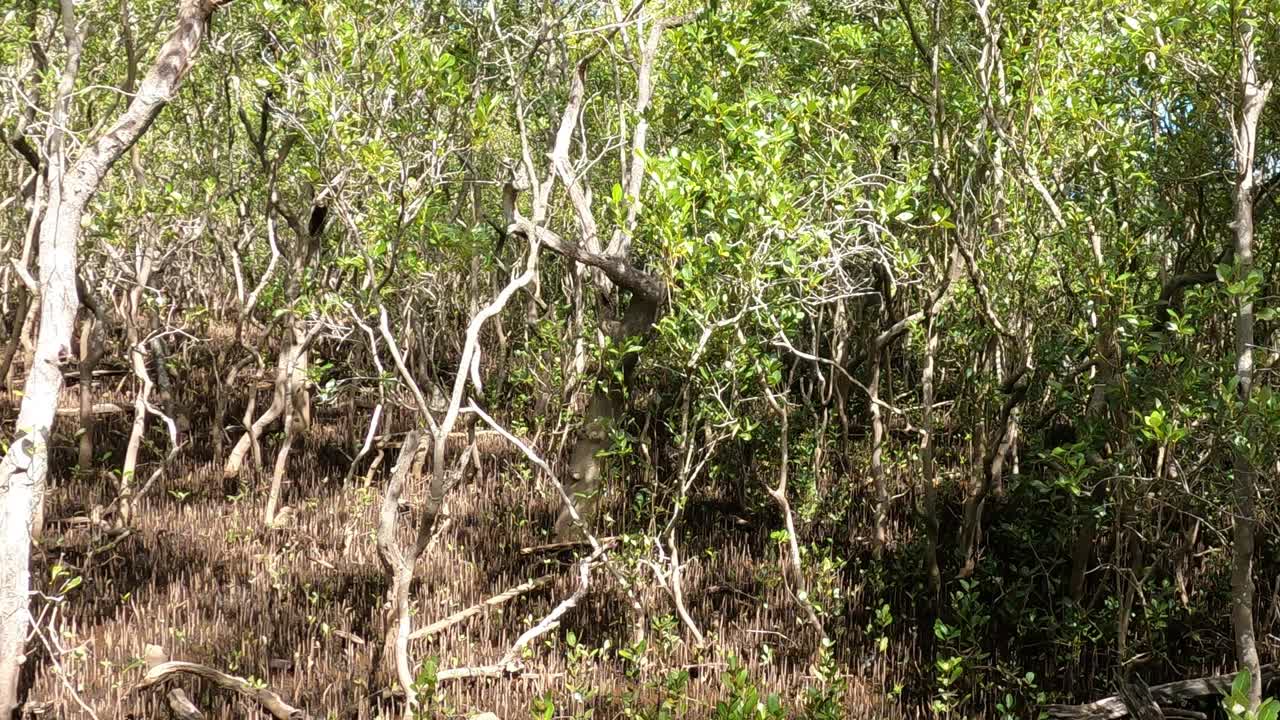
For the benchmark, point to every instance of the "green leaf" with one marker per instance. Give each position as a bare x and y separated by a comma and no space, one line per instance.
1270,710
1240,686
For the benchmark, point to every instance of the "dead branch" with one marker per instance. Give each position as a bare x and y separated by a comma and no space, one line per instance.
1167,694
496,600
96,409
608,541
553,618
270,701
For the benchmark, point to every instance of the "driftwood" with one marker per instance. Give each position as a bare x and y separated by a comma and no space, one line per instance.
454,619
1167,694
270,701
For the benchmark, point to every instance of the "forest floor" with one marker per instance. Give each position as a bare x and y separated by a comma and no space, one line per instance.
299,607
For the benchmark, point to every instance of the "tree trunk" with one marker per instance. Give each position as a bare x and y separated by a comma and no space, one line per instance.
1253,96
1015,389
15,336
25,466
585,464
138,361
91,348
249,440
881,485
928,471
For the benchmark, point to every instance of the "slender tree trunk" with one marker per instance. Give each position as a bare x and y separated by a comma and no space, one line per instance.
249,440
881,485
1253,96
91,348
1014,388
928,471
282,458
25,466
138,361
15,336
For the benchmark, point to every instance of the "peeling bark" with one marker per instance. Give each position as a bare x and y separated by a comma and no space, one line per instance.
25,466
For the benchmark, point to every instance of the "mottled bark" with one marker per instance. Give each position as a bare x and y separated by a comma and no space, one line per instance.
25,466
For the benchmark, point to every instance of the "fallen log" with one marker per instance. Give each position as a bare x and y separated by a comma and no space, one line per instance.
270,701
609,541
97,409
1167,694
1137,699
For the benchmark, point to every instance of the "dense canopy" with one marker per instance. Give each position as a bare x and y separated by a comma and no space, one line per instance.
676,358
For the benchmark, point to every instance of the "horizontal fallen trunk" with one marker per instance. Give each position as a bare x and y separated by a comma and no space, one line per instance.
100,372
1167,694
270,701
96,409
488,442
609,542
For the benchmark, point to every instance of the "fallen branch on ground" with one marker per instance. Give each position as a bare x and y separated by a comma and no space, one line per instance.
97,409
479,607
270,701
1167,694
509,665
609,541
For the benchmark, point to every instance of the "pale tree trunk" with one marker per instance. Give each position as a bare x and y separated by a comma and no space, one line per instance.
296,410
880,527
138,360
792,566
25,466
289,387
927,469
1253,96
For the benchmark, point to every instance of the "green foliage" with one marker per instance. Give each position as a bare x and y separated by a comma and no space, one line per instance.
1237,706
811,172
743,701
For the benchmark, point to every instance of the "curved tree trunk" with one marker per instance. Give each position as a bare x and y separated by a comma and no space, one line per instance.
289,387
25,466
